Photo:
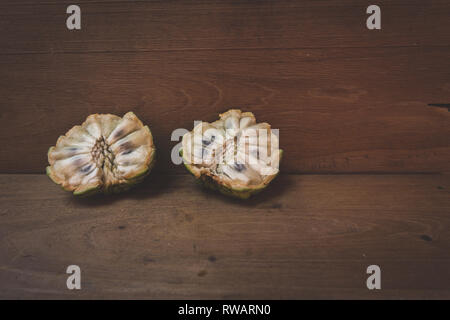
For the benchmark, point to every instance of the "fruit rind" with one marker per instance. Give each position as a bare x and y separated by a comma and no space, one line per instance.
240,193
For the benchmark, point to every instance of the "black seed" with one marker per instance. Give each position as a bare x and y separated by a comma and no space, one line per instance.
119,133
126,145
86,168
208,142
127,152
73,149
239,167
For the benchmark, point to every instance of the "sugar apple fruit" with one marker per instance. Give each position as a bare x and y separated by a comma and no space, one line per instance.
234,154
105,154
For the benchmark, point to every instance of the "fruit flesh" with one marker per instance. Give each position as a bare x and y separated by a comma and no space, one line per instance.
235,154
106,154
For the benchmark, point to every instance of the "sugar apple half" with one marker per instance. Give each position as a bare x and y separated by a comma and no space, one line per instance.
234,154
105,154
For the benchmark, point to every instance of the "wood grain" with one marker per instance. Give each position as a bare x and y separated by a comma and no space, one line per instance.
337,110
309,236
345,99
39,26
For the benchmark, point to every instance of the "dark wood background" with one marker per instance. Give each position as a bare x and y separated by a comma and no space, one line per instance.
345,99
364,175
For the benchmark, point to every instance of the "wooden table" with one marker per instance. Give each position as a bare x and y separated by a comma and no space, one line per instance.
308,236
365,174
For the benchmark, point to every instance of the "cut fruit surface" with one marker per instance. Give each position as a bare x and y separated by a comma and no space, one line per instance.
105,154
235,154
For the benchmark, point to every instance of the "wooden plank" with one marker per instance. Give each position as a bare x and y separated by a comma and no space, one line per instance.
338,110
308,236
39,26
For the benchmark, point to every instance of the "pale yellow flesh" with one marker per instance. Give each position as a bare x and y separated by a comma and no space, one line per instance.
230,151
105,151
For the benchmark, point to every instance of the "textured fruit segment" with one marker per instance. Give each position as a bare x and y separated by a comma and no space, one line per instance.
234,154
127,125
106,153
